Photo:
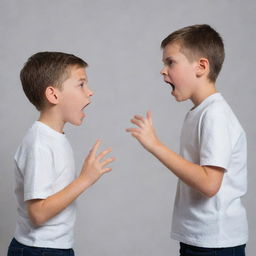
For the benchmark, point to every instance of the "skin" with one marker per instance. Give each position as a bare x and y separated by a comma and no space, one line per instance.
62,106
189,81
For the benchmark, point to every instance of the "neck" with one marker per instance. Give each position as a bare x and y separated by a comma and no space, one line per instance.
203,92
50,118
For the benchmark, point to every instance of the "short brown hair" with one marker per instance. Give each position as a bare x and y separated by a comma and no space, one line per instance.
199,41
44,69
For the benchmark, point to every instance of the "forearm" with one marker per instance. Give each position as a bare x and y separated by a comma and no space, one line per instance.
41,211
194,175
206,179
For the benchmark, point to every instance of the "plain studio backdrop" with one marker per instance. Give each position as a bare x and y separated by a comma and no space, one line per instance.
128,211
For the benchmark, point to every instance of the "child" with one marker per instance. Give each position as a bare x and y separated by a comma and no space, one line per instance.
208,217
46,187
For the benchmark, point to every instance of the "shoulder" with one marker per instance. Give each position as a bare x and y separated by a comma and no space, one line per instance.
219,118
34,141
35,137
217,107
219,111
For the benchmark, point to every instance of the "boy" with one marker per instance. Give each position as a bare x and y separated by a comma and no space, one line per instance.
208,217
46,188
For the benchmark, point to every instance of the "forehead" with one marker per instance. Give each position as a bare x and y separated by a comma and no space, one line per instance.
77,73
171,50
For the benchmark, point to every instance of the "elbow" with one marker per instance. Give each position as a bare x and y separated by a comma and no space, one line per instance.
36,213
209,194
210,191
36,219
210,186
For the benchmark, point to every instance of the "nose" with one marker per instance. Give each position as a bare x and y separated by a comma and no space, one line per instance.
163,71
89,92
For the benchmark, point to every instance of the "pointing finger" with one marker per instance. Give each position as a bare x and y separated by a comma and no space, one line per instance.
137,122
103,153
141,118
95,147
149,117
107,161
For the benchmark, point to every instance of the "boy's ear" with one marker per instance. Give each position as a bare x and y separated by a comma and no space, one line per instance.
202,67
51,94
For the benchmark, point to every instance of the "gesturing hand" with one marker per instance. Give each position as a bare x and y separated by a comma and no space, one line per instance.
144,132
93,168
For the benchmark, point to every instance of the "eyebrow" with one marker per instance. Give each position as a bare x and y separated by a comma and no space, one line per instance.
167,59
82,80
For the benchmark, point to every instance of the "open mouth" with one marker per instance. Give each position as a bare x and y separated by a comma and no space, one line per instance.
85,106
172,85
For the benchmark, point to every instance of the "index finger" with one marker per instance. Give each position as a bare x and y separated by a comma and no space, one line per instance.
103,153
95,147
149,117
138,117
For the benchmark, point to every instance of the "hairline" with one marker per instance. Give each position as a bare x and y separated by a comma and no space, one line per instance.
66,74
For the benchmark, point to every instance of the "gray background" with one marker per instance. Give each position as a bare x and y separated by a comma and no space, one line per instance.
128,212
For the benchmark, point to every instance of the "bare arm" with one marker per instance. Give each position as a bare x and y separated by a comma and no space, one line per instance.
41,210
206,179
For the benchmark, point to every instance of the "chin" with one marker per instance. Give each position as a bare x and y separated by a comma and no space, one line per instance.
77,122
180,100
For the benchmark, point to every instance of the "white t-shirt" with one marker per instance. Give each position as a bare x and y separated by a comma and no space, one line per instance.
44,166
212,135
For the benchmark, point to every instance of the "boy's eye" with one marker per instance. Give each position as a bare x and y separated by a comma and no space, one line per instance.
81,85
169,62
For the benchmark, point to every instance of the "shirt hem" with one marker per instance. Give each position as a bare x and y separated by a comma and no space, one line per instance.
41,244
210,244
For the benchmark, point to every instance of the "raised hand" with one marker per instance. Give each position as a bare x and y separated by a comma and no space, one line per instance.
144,132
94,166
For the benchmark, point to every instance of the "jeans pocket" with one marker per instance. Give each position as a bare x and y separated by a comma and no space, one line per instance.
15,252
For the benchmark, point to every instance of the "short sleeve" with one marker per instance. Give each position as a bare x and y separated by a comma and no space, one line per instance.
38,173
215,141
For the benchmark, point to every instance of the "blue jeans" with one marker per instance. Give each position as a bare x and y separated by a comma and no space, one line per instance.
18,249
189,250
